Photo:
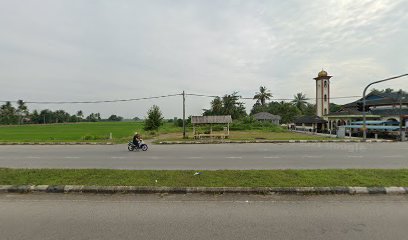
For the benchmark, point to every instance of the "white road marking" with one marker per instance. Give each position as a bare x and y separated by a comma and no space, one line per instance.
31,157
273,157
355,156
312,156
118,157
195,157
71,157
234,157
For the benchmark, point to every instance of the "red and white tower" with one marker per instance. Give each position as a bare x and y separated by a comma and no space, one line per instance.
322,93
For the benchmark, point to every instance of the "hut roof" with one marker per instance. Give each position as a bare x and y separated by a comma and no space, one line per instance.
309,119
211,119
266,116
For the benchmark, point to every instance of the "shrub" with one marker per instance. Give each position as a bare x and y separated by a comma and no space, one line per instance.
154,118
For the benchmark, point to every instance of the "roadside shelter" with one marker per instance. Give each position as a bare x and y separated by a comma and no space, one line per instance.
211,120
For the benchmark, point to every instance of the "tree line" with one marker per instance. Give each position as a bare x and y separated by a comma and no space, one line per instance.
21,115
229,104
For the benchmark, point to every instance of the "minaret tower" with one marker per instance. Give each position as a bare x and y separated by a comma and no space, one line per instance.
322,93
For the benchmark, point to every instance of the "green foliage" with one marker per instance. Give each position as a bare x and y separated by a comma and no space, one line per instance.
309,110
262,95
93,117
115,118
154,118
8,114
179,122
334,107
93,137
249,123
300,101
286,110
227,105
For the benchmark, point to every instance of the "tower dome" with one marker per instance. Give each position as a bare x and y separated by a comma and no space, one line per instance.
322,73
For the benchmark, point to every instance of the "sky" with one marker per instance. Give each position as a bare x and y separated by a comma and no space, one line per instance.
75,50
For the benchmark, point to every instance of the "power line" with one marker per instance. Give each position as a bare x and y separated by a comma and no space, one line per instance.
101,101
163,96
290,99
280,99
200,95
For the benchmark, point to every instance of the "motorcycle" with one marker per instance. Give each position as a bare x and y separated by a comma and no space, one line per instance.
141,145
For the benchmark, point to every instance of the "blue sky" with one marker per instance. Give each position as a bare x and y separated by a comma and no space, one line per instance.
74,50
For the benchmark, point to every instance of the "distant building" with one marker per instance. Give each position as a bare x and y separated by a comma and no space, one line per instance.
265,116
385,107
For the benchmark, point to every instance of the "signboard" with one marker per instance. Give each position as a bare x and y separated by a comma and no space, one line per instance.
341,132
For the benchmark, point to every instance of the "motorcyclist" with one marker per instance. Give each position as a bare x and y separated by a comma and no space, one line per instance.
136,139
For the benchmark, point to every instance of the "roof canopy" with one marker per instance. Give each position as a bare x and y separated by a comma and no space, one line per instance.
266,116
309,119
211,119
381,99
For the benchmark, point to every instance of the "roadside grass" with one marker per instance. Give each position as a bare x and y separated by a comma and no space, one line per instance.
123,132
219,178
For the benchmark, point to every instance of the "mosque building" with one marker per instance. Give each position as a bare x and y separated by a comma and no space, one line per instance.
382,108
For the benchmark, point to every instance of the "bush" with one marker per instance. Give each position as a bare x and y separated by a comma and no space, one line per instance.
92,137
250,124
154,118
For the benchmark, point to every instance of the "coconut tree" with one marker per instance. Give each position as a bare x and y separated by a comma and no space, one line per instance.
262,95
21,111
300,101
79,115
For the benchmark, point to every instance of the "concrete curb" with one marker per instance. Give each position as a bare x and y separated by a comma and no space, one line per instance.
276,141
203,190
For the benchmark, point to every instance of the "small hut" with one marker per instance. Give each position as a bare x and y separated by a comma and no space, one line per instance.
267,117
211,120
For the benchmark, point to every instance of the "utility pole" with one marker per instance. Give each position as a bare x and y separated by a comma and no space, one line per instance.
364,101
184,114
400,113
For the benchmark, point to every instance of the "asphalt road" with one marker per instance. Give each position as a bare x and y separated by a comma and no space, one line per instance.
58,216
210,156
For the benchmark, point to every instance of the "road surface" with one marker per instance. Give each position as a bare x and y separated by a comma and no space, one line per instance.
210,156
58,216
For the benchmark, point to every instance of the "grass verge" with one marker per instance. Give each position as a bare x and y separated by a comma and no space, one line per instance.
219,178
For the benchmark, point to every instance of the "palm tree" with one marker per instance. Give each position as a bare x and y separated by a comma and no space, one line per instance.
79,115
262,95
22,110
300,101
